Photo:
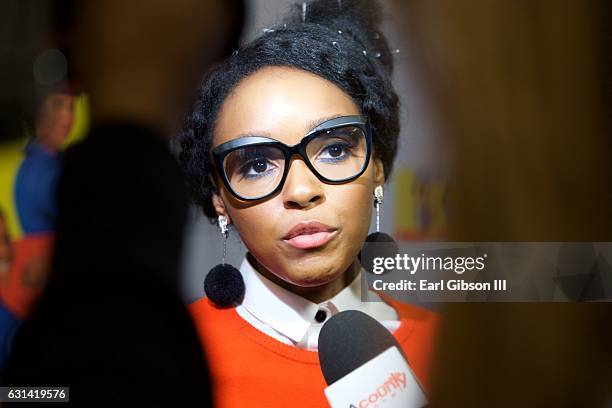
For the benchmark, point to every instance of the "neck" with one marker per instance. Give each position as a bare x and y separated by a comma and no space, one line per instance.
315,294
46,145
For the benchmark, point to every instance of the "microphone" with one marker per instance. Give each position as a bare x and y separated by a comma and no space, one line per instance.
364,366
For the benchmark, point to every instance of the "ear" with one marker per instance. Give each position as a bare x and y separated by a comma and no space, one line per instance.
219,206
379,172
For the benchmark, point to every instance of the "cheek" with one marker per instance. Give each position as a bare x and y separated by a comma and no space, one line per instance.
255,225
353,204
43,123
249,223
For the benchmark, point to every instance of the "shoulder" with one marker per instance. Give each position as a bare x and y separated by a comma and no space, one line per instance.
414,313
419,317
203,308
422,325
418,334
210,319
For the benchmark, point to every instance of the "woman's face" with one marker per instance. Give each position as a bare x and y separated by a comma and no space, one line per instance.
54,120
284,104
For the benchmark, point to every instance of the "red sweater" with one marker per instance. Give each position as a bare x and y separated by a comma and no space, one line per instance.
251,369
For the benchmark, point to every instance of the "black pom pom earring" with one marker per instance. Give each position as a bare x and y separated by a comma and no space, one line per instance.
377,244
224,285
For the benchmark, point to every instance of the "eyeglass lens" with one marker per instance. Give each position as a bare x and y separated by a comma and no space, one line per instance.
257,170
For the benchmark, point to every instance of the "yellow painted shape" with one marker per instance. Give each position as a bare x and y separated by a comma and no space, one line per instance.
11,155
81,120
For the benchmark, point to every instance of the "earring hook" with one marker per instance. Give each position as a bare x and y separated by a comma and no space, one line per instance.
304,5
225,232
378,199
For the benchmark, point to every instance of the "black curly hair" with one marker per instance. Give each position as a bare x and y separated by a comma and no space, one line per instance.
338,40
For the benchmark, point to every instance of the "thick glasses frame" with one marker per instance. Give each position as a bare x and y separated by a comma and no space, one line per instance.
220,152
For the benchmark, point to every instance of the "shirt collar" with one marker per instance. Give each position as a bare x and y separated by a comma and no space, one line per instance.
286,312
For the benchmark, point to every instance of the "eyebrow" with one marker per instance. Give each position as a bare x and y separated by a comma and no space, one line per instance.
310,126
314,123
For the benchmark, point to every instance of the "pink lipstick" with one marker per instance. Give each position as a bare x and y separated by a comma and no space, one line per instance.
309,234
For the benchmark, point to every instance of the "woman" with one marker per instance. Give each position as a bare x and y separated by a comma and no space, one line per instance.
287,143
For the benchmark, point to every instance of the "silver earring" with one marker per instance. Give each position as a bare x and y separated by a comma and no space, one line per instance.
224,285
304,7
222,220
378,199
377,243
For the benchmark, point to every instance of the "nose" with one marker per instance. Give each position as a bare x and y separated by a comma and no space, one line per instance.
302,188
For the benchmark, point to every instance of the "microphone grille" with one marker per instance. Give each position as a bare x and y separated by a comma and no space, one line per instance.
348,340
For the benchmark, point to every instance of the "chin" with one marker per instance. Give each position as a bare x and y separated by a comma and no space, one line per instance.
312,278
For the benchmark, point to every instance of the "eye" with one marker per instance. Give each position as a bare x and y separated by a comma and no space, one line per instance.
257,167
335,152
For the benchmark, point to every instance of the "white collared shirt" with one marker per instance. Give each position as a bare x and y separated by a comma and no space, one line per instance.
290,318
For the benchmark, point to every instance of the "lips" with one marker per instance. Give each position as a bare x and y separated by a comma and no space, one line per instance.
309,234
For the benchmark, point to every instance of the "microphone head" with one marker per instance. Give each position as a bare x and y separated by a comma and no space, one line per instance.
348,340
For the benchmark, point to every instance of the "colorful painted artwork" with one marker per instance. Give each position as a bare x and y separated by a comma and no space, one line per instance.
420,207
29,172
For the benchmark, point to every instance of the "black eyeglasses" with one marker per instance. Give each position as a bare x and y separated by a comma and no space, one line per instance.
255,167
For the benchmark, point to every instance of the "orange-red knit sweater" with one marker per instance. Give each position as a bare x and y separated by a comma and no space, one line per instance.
251,369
